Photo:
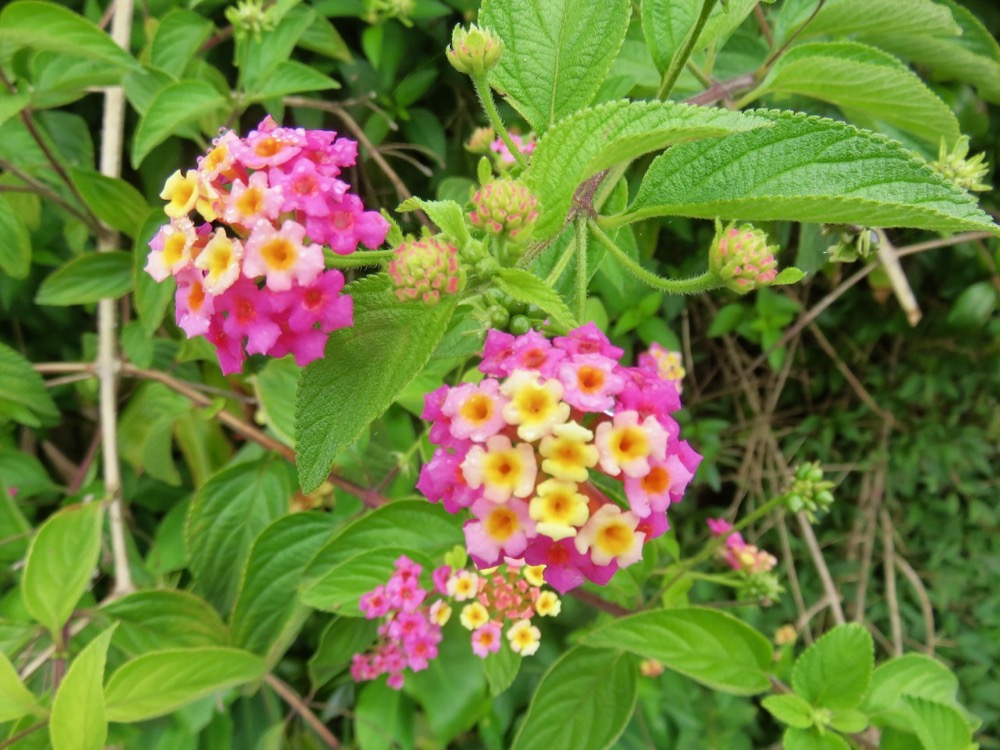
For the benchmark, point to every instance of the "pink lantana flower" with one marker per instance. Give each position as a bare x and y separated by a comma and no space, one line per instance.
193,304
476,411
591,382
249,315
171,249
486,640
281,256
627,446
254,201
498,530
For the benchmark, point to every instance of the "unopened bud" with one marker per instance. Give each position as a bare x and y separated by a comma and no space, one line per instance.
474,51
955,165
425,270
504,207
480,140
809,492
742,259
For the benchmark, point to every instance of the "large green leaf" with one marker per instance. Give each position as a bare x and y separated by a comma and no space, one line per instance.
15,699
50,26
844,17
365,368
866,82
806,169
114,201
158,620
267,614
173,107
178,38
910,674
86,279
78,717
667,23
268,51
291,77
23,397
15,243
709,646
275,385
836,670
938,725
557,53
60,562
583,702
225,516
594,139
360,556
159,682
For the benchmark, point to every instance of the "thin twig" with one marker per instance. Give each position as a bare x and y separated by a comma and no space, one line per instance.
925,602
832,594
889,563
793,579
300,707
900,284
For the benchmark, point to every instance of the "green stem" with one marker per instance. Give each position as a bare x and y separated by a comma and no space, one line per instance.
702,283
581,267
486,99
703,79
713,544
560,266
360,259
680,59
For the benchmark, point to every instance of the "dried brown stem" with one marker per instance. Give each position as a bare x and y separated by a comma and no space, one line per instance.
300,707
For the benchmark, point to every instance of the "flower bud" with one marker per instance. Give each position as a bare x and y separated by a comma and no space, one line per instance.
504,207
964,172
809,491
425,270
480,140
742,259
474,51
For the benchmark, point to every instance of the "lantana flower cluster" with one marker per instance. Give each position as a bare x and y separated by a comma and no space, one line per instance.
520,450
737,553
245,242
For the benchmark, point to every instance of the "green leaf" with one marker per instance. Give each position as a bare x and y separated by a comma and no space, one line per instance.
322,37
267,614
160,682
178,39
974,306
806,169
787,276
666,24
360,557
78,721
291,77
173,107
59,79
812,739
525,287
709,646
584,702
341,640
501,669
12,104
113,201
383,718
151,298
789,709
448,215
910,674
146,430
265,53
863,81
15,243
570,153
844,17
50,26
23,398
86,279
836,670
557,53
275,386
167,619
226,515
15,699
938,725
364,369
850,721
60,562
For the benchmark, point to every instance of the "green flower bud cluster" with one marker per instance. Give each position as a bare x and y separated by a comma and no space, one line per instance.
378,11
955,165
504,207
762,587
809,491
741,258
425,270
504,313
474,51
250,18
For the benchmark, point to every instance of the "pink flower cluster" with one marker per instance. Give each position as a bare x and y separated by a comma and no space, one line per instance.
411,631
249,265
518,448
525,145
737,553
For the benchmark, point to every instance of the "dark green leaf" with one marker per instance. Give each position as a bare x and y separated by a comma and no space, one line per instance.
86,279
364,369
836,670
78,721
709,646
583,702
158,620
341,640
15,243
806,169
324,39
173,107
275,385
113,201
383,718
24,398
268,51
974,306
501,669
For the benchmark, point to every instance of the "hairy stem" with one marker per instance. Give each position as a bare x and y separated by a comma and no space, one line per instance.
581,268
490,108
680,59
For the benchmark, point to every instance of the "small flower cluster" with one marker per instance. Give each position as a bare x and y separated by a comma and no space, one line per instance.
507,593
518,449
667,364
425,270
504,157
742,259
411,631
739,555
249,266
504,207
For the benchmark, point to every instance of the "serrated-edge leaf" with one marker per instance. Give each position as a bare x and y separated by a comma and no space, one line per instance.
584,702
910,674
557,53
807,169
24,391
938,725
448,215
49,26
114,201
147,619
15,699
836,671
711,647
862,79
173,107
78,715
596,138
88,278
789,709
159,682
843,17
365,367
525,287
60,562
